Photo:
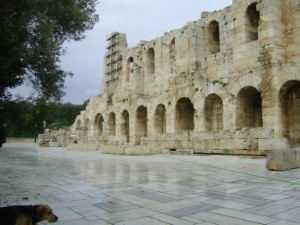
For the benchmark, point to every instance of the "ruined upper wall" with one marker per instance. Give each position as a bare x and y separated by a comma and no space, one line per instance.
220,45
231,69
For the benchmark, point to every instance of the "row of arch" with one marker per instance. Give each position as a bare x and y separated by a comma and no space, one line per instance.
251,32
249,114
252,16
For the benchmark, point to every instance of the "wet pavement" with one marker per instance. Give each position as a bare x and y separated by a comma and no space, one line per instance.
93,188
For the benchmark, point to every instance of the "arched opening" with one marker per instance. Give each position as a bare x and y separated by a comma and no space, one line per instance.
78,125
172,55
160,119
249,108
86,127
151,60
289,96
184,115
213,109
252,23
213,37
112,124
125,124
141,124
86,124
98,124
128,68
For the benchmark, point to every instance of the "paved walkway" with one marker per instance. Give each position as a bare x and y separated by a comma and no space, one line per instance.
93,188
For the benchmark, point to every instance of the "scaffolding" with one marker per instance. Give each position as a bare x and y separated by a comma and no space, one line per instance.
113,60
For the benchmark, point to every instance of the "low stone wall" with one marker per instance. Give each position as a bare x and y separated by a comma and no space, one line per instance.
83,147
129,150
114,150
18,140
247,141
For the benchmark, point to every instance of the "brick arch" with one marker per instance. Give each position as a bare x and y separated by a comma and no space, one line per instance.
247,80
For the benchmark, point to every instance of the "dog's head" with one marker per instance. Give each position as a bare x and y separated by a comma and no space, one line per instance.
44,212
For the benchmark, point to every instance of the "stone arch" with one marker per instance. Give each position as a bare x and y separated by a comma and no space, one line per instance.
111,124
98,124
160,119
87,123
184,115
151,60
249,108
214,37
172,55
252,22
125,124
141,129
128,69
213,112
289,96
78,125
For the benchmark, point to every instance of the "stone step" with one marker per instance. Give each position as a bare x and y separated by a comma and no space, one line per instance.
115,150
129,150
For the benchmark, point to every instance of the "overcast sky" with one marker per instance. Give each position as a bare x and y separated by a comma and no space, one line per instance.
139,20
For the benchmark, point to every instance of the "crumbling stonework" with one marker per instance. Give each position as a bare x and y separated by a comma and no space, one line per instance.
227,83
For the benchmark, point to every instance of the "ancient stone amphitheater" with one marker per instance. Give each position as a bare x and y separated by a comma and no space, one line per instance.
227,83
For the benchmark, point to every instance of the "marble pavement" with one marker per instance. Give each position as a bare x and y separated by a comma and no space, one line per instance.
90,188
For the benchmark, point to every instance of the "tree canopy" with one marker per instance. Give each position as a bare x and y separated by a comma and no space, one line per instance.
32,33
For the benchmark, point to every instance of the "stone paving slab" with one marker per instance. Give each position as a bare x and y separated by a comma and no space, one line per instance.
90,188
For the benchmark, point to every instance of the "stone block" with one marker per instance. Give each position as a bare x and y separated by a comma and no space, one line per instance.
273,144
183,136
155,144
141,150
239,144
186,144
53,144
224,134
283,159
154,137
83,147
202,135
171,144
206,144
259,133
129,150
180,152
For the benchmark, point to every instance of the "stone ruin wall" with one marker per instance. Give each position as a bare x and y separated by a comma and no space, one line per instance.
227,83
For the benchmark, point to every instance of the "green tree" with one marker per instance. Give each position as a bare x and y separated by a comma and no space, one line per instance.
24,117
32,33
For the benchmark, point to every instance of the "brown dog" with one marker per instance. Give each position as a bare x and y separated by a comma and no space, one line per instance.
26,214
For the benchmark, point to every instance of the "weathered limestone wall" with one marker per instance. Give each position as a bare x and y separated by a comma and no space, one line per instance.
226,83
